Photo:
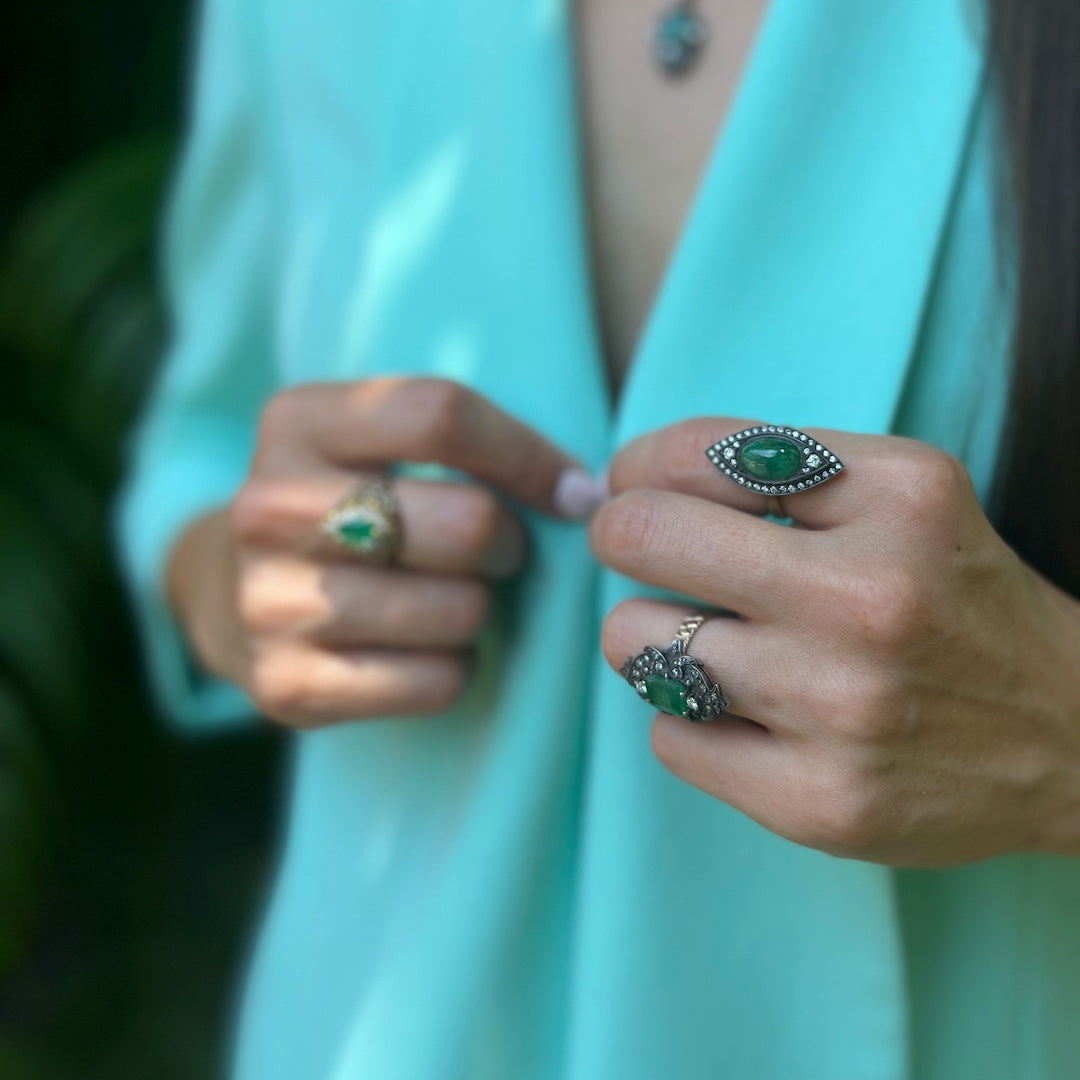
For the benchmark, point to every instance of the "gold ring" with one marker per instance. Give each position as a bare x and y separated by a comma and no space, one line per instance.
366,521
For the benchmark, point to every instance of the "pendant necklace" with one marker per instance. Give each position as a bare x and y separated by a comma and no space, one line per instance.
678,36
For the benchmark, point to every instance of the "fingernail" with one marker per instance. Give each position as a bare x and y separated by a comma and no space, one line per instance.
577,494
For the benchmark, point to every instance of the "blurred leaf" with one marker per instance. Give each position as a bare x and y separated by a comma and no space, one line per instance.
41,646
74,238
51,478
129,862
78,299
28,798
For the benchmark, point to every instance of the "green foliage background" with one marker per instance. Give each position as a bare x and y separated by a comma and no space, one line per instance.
131,862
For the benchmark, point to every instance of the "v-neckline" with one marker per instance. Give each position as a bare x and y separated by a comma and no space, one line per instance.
581,185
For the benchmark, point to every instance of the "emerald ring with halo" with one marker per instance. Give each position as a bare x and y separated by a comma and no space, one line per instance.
673,682
774,460
366,520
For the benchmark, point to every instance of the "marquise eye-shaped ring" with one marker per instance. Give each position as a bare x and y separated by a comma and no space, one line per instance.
774,460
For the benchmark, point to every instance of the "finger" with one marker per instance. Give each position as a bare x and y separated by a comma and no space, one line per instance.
749,767
446,528
673,459
376,421
307,687
759,678
344,605
698,548
878,471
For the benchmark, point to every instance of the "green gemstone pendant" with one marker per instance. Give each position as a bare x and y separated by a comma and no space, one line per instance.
774,460
678,38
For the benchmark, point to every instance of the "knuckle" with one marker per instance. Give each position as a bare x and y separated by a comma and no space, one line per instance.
449,687
474,526
665,745
281,688
280,415
624,527
887,603
680,450
867,711
675,454
846,814
254,513
469,611
438,411
617,627
264,608
928,484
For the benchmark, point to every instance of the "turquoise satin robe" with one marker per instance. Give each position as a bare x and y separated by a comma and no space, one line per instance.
517,889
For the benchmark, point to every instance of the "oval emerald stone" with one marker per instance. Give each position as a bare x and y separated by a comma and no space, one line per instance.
769,458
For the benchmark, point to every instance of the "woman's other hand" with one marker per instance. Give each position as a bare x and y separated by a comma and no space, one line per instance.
314,634
914,687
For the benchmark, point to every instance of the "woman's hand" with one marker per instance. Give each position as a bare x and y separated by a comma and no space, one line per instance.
914,687
311,632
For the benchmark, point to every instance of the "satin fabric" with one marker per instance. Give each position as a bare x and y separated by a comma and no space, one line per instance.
517,888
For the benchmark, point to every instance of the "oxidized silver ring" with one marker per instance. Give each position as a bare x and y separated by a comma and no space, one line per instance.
674,682
774,460
367,521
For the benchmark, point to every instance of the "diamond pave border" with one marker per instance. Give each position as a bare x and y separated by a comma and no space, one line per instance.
705,700
819,462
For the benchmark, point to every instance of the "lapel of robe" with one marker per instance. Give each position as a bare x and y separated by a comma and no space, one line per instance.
797,289
798,285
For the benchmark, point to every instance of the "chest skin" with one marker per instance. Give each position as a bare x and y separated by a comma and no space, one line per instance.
647,138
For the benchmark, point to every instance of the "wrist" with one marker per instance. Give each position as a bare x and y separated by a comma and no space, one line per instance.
200,590
1057,831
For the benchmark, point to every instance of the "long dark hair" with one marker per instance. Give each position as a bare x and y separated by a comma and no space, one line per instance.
1035,53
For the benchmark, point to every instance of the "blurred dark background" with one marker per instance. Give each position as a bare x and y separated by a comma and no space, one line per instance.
132,862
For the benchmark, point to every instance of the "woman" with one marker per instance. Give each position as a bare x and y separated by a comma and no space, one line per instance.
380,256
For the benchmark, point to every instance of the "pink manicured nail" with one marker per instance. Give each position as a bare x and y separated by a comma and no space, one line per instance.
577,494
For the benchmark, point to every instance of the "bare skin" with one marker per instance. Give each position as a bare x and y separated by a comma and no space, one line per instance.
912,684
311,633
647,140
